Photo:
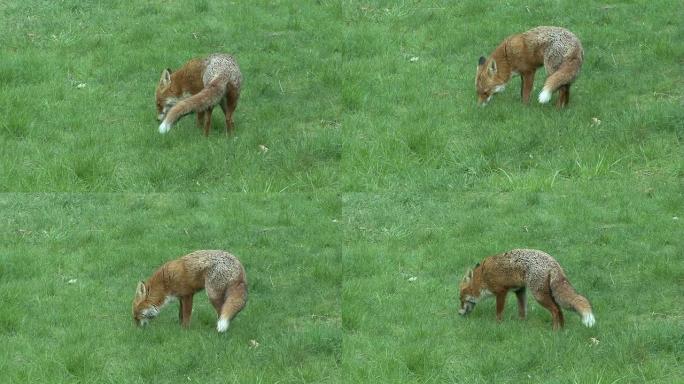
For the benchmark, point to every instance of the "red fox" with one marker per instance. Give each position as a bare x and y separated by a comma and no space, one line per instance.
557,49
197,87
219,272
517,270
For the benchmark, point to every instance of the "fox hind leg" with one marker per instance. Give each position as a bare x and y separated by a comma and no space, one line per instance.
546,300
218,300
200,119
522,302
224,107
207,120
563,96
228,104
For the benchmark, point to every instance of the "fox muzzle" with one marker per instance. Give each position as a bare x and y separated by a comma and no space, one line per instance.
467,307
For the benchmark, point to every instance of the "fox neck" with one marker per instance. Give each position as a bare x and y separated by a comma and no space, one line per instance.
478,288
503,66
157,292
176,93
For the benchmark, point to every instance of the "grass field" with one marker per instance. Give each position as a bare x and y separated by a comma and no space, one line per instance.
382,183
71,262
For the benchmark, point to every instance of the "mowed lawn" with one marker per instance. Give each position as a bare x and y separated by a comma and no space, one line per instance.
80,80
70,263
406,254
435,184
362,181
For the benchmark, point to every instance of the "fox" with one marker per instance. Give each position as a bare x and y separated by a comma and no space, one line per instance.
218,272
556,48
518,270
197,87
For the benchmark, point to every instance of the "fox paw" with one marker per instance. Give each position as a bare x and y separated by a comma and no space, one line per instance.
164,127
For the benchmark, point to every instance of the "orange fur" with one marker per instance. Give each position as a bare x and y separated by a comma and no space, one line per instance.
198,87
219,272
519,270
555,48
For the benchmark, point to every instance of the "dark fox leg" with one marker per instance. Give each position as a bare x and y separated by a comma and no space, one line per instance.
200,119
500,303
231,100
527,83
224,107
207,120
563,96
545,299
522,302
217,303
185,310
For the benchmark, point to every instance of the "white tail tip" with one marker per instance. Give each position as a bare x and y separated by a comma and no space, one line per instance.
222,325
544,96
588,320
164,127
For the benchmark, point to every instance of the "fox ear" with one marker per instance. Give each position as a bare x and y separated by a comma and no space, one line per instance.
481,61
492,67
165,77
141,290
468,276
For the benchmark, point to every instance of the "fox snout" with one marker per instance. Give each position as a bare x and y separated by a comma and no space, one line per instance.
141,322
466,308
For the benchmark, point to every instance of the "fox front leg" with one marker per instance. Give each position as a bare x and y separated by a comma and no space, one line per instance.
185,310
500,303
527,84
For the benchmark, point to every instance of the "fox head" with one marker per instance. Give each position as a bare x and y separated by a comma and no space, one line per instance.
470,291
165,95
487,80
143,308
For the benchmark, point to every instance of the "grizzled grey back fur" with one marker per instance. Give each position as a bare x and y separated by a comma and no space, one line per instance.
222,64
560,43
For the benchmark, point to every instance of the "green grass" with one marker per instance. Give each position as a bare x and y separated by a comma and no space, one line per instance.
382,183
103,137
623,256
414,125
71,262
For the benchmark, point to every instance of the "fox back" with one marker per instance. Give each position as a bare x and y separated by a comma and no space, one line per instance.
221,64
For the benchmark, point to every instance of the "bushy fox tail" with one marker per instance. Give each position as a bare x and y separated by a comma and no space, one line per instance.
206,98
564,75
565,295
235,300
